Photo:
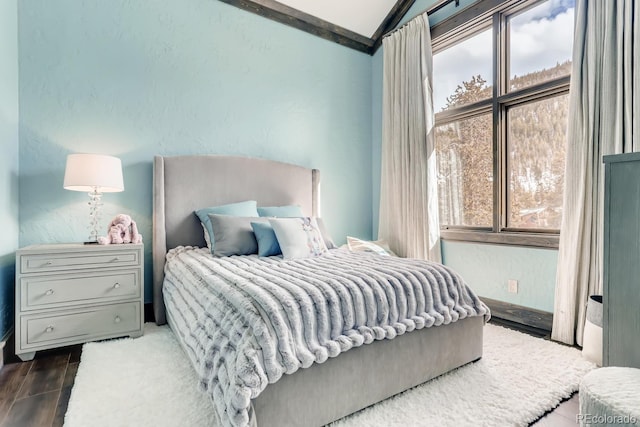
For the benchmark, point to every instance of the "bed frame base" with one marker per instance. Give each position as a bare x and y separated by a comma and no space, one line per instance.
340,386
326,392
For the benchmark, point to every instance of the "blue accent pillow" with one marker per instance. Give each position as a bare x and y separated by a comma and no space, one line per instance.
247,208
266,237
289,211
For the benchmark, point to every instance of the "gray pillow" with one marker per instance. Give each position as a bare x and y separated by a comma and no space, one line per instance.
234,235
247,208
298,237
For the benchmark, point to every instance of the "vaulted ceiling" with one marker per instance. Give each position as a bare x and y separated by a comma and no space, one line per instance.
358,24
360,16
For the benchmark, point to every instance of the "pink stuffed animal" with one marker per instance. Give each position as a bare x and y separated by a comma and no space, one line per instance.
122,229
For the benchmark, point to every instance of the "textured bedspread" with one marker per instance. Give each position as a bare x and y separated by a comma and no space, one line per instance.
245,321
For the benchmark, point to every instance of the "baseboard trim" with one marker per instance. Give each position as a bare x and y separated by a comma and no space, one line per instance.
6,336
519,314
148,313
5,347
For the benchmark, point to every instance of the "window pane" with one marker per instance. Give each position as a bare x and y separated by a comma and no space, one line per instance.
540,44
465,172
537,135
462,73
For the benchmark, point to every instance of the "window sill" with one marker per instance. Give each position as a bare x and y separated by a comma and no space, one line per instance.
536,240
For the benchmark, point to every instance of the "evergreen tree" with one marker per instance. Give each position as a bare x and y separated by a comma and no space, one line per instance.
536,135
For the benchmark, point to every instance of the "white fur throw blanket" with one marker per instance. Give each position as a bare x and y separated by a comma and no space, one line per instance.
244,321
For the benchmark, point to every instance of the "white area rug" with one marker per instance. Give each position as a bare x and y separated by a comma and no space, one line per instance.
148,381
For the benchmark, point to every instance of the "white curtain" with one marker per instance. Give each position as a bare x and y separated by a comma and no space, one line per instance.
603,119
408,188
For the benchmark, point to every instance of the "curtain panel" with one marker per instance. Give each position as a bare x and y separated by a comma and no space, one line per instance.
408,188
603,119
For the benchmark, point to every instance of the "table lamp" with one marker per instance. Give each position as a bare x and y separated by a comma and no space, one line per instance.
94,174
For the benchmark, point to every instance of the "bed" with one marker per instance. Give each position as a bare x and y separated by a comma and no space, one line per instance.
322,392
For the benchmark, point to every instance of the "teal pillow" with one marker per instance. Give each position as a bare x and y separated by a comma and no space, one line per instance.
266,237
289,211
247,208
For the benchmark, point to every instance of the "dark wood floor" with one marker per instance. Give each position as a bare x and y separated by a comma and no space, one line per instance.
564,415
36,393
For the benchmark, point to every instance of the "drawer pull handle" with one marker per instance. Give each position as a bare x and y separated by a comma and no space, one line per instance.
117,319
49,292
49,329
116,285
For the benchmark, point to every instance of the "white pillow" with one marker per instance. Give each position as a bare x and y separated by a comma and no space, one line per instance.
325,234
298,237
380,247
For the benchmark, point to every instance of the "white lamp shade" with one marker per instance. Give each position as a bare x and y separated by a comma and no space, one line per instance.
88,172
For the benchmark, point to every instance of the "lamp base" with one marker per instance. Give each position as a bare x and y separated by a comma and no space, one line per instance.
90,243
95,205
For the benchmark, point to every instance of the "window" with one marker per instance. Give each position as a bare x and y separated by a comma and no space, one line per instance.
501,87
465,172
536,136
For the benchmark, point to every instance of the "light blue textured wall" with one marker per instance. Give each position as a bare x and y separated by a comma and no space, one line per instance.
376,137
8,158
486,267
139,78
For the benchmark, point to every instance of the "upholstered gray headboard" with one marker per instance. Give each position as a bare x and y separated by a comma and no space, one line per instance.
182,184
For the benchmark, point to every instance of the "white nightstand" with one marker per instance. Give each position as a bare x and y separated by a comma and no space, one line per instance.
73,293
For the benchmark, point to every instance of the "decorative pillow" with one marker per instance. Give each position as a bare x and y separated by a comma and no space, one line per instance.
234,235
325,234
247,208
380,247
290,211
267,240
298,237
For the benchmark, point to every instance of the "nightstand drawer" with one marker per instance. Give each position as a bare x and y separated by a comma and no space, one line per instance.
80,288
70,293
67,261
80,325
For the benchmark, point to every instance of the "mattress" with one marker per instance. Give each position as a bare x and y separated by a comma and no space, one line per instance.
244,321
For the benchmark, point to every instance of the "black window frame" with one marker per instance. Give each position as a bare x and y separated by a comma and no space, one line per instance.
477,18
